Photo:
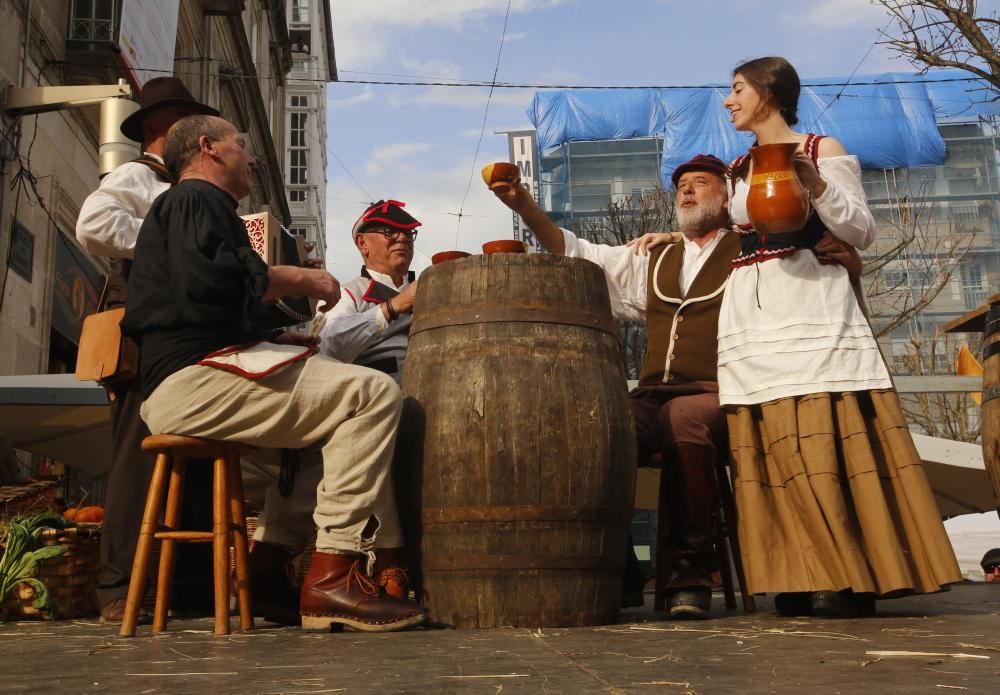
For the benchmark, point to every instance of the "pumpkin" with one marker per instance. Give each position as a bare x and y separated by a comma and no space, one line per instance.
93,515
70,513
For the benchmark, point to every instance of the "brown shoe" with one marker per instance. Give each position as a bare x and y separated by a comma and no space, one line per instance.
337,592
114,612
275,596
390,566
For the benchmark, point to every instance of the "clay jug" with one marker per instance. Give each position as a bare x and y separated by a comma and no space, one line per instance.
777,202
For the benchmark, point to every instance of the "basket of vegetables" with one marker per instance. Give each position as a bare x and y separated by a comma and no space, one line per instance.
48,567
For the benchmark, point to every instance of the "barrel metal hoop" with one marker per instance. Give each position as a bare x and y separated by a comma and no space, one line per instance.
455,515
991,350
461,563
991,393
426,321
992,324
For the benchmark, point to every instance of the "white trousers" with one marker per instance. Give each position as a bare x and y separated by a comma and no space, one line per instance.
349,412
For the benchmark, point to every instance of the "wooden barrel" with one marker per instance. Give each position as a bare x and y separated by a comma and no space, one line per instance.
518,436
991,396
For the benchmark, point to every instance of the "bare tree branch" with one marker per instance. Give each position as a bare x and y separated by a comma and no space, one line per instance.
947,34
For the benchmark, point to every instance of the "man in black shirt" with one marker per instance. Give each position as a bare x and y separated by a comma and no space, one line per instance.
212,368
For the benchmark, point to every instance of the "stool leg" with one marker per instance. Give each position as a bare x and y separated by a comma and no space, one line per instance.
220,544
662,547
241,552
722,553
144,546
168,547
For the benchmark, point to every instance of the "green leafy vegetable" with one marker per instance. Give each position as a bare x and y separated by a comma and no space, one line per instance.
23,553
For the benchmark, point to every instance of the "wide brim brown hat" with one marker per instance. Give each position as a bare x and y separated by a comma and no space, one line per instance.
161,91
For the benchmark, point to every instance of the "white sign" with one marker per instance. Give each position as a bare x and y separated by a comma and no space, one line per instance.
522,148
147,38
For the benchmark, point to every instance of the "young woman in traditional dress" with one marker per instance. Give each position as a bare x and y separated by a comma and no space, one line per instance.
834,506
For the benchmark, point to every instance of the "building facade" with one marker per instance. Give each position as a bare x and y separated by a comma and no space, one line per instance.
231,54
313,66
932,221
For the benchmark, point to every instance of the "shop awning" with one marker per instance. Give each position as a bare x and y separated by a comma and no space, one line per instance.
57,416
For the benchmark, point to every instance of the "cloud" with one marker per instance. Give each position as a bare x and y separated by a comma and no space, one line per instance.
836,14
436,69
470,98
511,38
368,94
560,77
393,155
363,30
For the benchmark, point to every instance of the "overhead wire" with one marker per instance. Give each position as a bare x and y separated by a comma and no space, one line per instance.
482,130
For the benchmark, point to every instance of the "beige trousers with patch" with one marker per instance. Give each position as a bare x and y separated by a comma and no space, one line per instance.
349,412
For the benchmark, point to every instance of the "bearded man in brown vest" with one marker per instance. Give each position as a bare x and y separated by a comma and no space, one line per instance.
677,290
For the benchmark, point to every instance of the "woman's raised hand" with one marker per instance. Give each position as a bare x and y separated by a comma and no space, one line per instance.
809,175
650,240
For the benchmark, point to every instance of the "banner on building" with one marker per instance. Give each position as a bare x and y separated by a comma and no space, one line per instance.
147,37
75,289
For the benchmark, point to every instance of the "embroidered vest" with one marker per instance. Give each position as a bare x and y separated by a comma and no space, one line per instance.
682,333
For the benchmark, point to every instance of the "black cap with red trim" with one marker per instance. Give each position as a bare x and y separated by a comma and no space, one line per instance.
385,213
700,162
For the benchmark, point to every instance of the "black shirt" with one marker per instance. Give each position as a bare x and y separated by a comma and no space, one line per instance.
196,284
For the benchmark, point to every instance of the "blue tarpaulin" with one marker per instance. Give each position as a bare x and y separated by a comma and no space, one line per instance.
889,120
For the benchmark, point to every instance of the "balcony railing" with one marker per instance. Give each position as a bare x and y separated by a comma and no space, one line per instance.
975,297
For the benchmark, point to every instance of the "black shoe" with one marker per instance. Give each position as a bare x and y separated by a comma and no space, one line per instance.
793,603
842,604
690,603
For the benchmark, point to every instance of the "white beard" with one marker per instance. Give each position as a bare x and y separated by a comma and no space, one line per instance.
704,217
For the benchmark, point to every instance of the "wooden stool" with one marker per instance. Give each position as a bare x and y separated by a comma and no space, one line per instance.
725,539
229,528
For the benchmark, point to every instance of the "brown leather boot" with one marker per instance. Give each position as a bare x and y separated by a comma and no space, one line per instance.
275,596
390,567
338,592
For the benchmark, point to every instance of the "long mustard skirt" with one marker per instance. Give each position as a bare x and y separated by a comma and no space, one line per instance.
831,495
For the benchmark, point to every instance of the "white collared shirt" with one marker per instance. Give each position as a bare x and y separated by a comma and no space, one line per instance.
694,258
110,218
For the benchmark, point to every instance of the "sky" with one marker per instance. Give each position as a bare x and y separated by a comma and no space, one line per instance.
418,144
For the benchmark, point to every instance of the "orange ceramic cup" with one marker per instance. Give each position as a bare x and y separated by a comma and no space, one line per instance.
504,246
501,173
443,256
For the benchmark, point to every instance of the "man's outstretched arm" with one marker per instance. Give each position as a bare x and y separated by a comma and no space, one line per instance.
518,199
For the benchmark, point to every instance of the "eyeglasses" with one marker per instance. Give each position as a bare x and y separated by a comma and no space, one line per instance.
391,234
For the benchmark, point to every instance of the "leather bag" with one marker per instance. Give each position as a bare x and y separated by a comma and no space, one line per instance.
105,355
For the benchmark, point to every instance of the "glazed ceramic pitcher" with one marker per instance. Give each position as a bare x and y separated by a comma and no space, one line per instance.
777,201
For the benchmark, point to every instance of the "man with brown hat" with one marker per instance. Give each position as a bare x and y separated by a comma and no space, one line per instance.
108,226
677,290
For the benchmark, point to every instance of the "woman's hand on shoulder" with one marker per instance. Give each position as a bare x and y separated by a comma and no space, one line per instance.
650,240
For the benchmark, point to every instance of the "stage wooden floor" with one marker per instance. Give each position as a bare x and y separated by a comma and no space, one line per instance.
958,634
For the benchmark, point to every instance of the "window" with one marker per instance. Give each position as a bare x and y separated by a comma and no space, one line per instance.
297,133
298,196
298,172
300,11
92,20
299,101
